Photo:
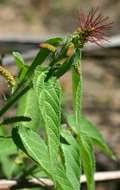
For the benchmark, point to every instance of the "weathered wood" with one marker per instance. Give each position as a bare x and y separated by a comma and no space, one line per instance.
46,183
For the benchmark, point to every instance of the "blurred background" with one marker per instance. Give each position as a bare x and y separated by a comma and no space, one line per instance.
23,24
41,17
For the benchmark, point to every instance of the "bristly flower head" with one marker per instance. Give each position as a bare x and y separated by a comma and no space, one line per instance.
93,26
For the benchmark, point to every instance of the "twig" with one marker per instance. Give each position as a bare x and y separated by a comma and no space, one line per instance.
47,183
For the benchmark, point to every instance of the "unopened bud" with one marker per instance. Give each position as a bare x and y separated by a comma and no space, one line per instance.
48,46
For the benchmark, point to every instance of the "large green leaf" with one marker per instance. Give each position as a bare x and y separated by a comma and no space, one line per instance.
72,159
88,161
28,106
90,130
35,147
49,99
31,143
77,85
62,181
7,146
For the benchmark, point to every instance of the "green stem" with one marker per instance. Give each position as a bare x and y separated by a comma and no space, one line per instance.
14,98
77,86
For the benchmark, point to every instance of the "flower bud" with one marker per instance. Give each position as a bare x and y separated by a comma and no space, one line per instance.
48,46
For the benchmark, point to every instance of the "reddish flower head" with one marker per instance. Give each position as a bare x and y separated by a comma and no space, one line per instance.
93,26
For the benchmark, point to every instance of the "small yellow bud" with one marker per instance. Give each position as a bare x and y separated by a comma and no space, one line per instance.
48,46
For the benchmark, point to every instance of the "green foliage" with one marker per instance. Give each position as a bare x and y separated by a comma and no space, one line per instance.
8,166
37,149
57,152
48,96
88,161
89,135
89,130
34,145
22,68
86,154
7,146
24,85
28,107
72,159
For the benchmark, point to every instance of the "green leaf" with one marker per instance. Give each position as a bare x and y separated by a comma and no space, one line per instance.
31,143
7,146
72,159
88,129
38,60
62,182
37,173
8,166
19,59
71,122
49,99
2,130
88,161
36,148
22,68
28,107
77,85
55,41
